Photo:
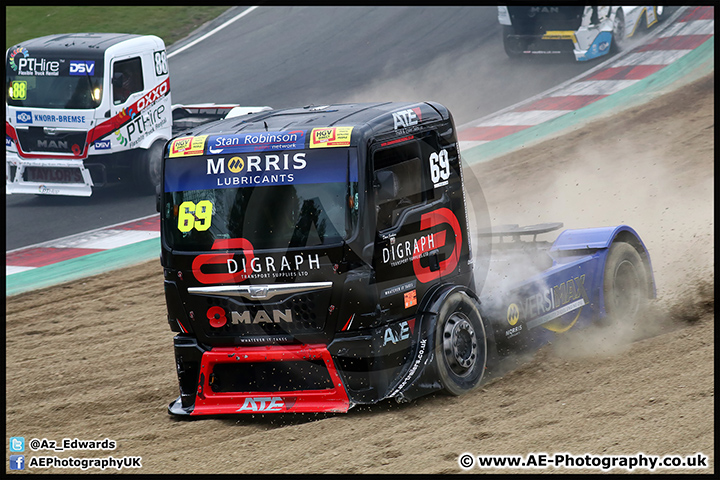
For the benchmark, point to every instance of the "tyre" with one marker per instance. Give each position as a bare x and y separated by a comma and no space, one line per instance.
147,168
618,32
660,13
460,344
625,283
513,46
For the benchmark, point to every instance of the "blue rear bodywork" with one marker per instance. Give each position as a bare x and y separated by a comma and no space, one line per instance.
568,294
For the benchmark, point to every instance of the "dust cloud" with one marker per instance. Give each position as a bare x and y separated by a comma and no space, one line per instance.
642,179
472,99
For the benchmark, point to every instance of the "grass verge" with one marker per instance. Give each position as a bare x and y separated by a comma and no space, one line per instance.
169,23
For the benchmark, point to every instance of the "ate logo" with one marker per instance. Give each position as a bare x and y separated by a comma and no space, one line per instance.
399,333
407,118
266,404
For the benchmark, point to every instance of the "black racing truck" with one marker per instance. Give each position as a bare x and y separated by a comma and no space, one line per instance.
317,258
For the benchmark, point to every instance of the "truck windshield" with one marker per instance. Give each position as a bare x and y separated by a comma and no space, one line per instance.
77,85
315,205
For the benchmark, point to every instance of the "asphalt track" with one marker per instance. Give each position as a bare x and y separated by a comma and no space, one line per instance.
290,56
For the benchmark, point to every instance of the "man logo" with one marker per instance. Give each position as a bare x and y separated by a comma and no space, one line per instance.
236,164
513,314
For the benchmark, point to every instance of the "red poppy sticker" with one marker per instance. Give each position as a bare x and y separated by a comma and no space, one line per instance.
217,317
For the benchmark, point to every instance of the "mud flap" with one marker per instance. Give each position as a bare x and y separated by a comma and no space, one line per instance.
419,376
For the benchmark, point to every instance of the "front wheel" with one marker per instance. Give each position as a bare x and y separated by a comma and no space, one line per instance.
461,344
625,283
618,32
147,168
513,46
660,13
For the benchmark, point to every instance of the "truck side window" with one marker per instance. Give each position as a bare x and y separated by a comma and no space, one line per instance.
127,79
398,183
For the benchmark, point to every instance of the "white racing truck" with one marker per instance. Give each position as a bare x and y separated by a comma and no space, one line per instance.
84,110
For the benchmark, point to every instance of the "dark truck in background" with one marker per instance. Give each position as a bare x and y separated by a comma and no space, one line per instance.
586,32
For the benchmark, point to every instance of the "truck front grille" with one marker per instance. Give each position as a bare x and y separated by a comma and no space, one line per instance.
35,139
298,314
272,376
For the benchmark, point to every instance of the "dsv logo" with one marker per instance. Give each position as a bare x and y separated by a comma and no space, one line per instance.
78,67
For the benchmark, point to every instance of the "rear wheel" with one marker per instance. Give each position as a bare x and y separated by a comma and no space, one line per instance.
461,344
147,168
625,283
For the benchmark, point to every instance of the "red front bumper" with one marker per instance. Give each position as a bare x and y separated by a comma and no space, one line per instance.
209,402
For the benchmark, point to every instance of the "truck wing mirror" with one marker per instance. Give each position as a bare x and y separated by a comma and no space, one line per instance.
158,198
386,186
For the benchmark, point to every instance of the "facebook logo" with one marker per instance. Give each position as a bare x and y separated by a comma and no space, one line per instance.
17,462
17,444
